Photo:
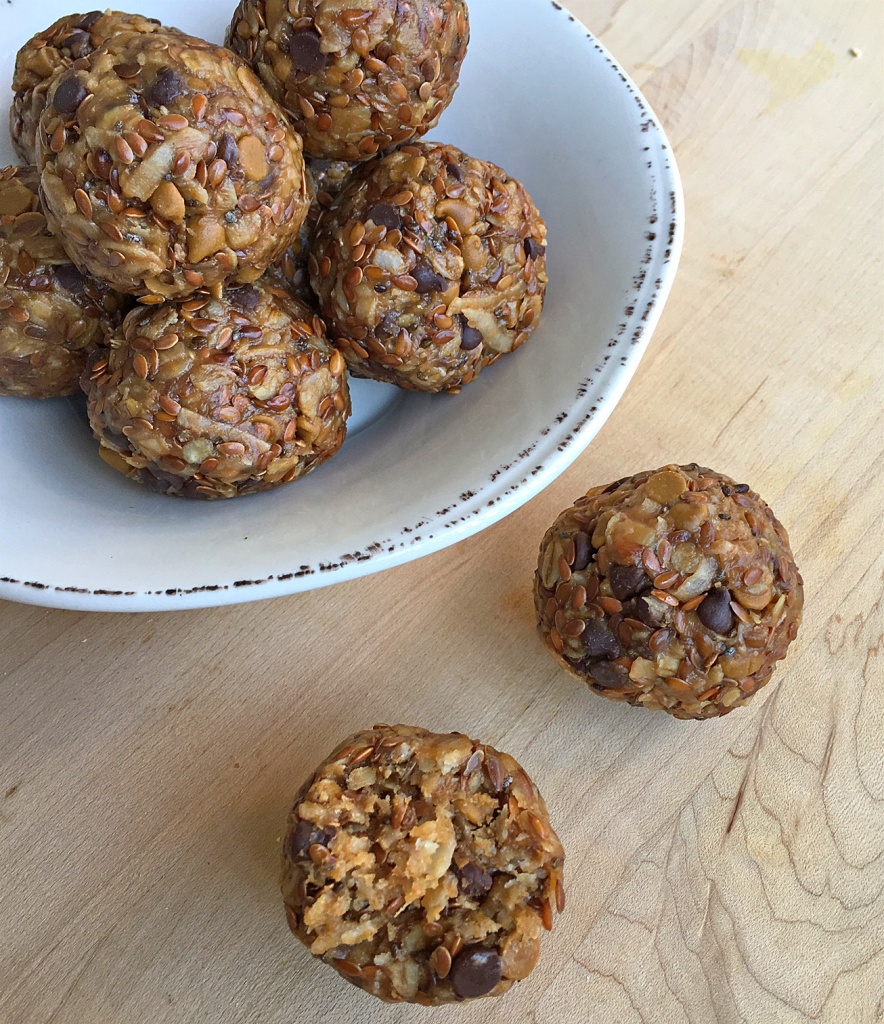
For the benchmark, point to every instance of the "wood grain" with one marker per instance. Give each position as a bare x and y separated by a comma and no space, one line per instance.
719,872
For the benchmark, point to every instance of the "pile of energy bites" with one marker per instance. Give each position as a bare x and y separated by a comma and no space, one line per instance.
210,239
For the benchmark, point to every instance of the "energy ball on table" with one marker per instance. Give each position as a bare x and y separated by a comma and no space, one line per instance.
51,317
355,79
214,398
56,48
675,590
325,179
167,167
429,266
422,867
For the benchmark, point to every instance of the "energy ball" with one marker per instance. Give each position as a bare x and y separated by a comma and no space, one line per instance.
674,590
325,179
56,48
422,867
168,168
51,317
429,266
355,80
218,397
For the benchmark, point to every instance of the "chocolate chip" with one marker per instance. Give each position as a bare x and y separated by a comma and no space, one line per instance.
608,676
599,641
726,491
70,278
167,87
582,552
305,835
158,481
69,95
247,296
305,49
715,611
641,610
627,581
388,325
116,439
385,215
475,972
78,44
474,881
228,151
470,338
88,20
427,279
533,248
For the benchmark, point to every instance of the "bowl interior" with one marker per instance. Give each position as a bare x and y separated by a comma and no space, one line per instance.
541,98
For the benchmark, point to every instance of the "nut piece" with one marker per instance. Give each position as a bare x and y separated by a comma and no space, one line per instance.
67,40
355,80
674,590
430,266
167,202
219,397
422,867
193,177
51,316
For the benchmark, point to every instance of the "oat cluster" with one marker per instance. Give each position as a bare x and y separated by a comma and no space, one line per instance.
422,867
673,590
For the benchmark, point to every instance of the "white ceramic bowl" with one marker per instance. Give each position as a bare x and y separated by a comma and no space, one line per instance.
542,98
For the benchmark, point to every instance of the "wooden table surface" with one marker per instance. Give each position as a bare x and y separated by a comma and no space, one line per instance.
728,871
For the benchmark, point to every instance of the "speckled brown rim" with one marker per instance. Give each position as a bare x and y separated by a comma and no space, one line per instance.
512,484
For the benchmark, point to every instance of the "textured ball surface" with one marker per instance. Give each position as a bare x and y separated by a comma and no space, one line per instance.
429,266
167,168
355,80
674,590
219,397
51,51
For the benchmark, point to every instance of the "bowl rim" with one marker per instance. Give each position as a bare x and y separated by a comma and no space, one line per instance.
510,486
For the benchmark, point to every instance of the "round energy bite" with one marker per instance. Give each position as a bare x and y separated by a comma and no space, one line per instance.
56,48
218,397
167,167
675,590
429,266
422,867
51,316
355,81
